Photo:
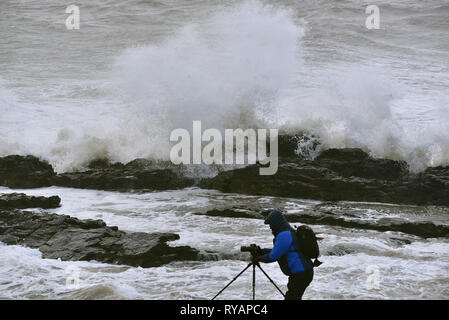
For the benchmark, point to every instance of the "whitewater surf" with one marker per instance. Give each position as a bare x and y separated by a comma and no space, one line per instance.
87,113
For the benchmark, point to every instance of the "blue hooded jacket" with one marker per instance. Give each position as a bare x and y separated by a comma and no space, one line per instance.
290,260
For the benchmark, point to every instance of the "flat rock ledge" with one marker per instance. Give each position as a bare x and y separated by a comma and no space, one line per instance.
70,239
334,175
339,175
22,201
421,229
140,174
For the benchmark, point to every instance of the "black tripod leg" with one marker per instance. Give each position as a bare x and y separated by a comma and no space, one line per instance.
249,265
254,281
266,275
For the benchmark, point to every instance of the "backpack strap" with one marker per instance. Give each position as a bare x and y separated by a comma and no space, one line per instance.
295,242
297,245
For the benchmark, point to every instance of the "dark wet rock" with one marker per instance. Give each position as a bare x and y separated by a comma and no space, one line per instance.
232,213
339,250
22,201
25,172
287,145
139,174
356,163
315,217
67,238
400,241
334,175
420,229
297,144
339,174
104,164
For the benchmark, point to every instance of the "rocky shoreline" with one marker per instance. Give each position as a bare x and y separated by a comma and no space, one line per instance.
23,201
334,175
140,174
339,175
324,217
71,239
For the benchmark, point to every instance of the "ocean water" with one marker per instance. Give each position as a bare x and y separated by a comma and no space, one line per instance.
358,264
137,69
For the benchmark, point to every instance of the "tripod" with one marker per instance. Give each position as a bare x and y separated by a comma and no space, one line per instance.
254,263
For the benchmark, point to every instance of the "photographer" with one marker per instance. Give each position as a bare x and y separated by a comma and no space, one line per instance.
286,252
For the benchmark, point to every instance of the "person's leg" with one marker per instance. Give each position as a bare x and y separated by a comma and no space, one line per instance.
294,287
297,284
307,279
291,288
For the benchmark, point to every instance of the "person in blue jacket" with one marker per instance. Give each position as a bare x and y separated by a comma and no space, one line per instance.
286,252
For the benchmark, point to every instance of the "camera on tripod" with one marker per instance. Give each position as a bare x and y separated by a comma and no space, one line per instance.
254,249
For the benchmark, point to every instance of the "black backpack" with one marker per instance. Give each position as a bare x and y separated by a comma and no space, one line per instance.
308,243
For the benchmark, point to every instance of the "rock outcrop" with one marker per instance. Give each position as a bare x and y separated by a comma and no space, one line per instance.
339,174
22,201
25,172
139,174
67,238
422,229
334,175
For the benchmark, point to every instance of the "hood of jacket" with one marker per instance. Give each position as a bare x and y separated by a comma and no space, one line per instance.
277,222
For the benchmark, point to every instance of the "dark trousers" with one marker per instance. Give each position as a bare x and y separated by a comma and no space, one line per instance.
297,284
